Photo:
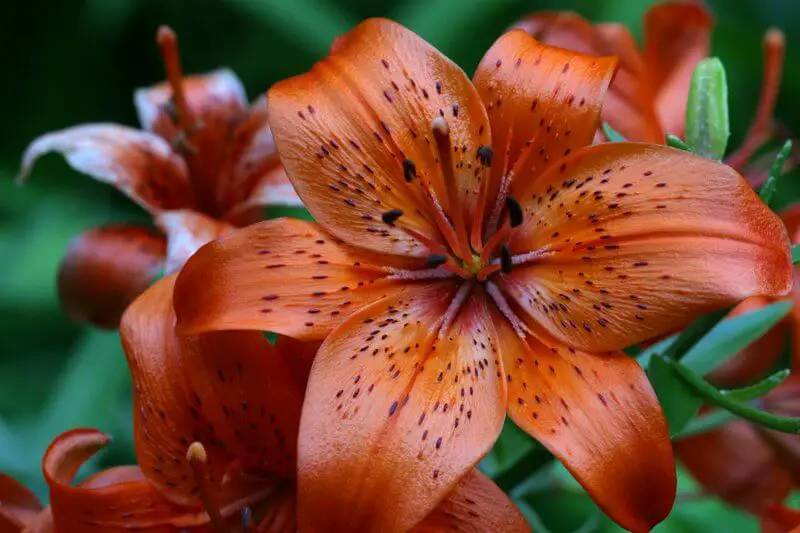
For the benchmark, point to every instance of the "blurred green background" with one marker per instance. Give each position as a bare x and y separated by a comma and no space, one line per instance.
75,61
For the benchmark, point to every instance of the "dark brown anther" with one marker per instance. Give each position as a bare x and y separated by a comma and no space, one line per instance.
409,170
171,110
390,217
514,211
485,155
247,520
506,264
435,260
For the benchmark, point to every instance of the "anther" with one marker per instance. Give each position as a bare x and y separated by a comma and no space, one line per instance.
485,155
435,260
198,460
390,217
247,520
514,211
506,263
409,170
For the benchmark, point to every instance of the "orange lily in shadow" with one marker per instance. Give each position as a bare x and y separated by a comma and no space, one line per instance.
216,418
647,98
204,163
473,257
778,519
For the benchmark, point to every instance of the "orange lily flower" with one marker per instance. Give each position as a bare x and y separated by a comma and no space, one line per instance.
779,519
216,418
475,256
647,98
204,164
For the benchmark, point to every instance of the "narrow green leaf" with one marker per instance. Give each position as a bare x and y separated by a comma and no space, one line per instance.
678,401
694,332
707,127
706,423
521,470
710,393
796,253
768,189
674,141
757,390
728,337
611,134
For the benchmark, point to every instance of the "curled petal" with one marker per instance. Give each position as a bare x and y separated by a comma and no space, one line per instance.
735,464
475,505
677,37
231,390
281,275
139,164
18,505
186,232
598,414
623,242
105,269
410,394
106,502
356,136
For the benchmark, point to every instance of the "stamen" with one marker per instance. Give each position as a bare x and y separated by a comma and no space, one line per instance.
496,239
441,133
390,217
454,307
506,264
435,260
774,50
198,461
502,304
485,156
494,219
247,520
409,170
514,211
168,44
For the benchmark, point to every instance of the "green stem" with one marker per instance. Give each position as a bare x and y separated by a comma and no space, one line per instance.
705,423
775,171
708,391
757,390
523,468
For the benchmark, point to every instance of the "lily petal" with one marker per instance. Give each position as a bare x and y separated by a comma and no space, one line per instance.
281,275
358,124
475,505
559,94
232,391
130,502
105,269
625,242
186,232
18,505
139,164
598,414
779,519
409,393
629,103
677,37
735,464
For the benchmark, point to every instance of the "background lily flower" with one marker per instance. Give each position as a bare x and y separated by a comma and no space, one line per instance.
205,163
216,421
779,519
647,98
475,256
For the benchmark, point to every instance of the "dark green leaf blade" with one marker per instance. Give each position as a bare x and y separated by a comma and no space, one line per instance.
679,402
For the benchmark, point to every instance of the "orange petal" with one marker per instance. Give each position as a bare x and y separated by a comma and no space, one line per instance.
629,103
105,269
186,232
779,519
676,38
629,241
543,103
408,413
18,505
231,390
139,164
475,505
345,129
282,275
598,414
129,501
735,464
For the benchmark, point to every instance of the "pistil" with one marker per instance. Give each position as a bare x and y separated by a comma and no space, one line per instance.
198,461
168,45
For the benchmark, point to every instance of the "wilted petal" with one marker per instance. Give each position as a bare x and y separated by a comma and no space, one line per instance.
186,232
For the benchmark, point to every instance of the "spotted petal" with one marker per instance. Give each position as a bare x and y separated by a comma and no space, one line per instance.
18,505
543,103
598,414
139,164
408,391
353,128
105,269
623,242
282,275
230,390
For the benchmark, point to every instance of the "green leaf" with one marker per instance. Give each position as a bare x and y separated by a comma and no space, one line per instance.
795,253
706,423
611,134
707,126
678,401
694,332
706,390
757,390
509,448
520,471
730,336
674,141
768,189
